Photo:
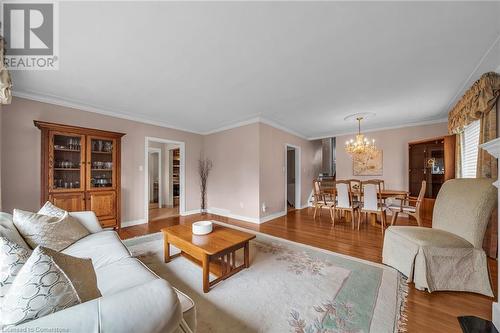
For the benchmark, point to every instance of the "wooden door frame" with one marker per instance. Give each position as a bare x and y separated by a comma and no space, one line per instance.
297,176
182,187
160,178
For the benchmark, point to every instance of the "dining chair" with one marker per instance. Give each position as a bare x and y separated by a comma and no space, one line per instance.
320,198
382,183
409,206
372,202
356,189
344,201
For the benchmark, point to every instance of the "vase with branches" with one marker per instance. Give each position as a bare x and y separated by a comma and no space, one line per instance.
204,167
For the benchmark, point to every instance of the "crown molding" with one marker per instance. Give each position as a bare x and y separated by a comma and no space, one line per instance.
379,129
471,78
56,100
257,119
237,124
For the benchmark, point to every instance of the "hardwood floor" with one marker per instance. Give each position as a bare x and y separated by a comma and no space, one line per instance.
426,312
156,213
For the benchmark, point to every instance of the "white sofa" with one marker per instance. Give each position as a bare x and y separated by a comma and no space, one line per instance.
134,299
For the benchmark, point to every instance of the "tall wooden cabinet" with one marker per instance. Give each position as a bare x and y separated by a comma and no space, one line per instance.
80,170
432,160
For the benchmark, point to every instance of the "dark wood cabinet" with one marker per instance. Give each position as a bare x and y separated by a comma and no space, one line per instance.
81,170
432,160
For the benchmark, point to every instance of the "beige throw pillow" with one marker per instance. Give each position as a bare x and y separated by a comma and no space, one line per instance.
80,271
12,258
51,210
52,232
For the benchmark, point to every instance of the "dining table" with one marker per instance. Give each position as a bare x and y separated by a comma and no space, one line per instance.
384,193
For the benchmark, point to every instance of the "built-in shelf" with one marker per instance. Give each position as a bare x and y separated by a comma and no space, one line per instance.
67,150
67,169
102,152
102,169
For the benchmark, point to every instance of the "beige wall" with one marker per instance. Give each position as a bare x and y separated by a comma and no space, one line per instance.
249,170
21,154
272,168
248,161
395,156
233,184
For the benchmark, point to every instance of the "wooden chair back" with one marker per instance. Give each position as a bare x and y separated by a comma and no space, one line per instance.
317,186
344,194
317,192
421,195
381,182
355,184
372,195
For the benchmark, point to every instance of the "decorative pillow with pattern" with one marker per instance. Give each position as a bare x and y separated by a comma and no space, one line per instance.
12,258
51,210
48,231
40,288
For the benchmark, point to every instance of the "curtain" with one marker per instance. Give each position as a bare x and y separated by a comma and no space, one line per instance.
458,155
487,164
5,80
480,102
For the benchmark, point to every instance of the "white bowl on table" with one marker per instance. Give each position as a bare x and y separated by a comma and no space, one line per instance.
202,227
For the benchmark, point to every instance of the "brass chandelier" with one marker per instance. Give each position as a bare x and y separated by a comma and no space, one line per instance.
360,145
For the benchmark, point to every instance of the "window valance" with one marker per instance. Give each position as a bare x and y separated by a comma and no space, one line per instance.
477,101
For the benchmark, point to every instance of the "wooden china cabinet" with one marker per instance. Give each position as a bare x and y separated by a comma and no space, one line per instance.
80,170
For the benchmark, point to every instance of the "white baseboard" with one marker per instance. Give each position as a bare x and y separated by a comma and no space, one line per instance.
496,315
272,217
190,212
227,213
259,220
133,222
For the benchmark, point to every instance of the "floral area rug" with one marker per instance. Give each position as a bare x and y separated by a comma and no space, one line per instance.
289,287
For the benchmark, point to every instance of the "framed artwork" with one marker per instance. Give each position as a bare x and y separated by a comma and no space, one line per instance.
368,164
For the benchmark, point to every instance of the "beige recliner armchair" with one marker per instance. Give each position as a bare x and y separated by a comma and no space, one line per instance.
448,256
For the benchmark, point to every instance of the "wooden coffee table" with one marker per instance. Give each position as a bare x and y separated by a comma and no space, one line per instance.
215,252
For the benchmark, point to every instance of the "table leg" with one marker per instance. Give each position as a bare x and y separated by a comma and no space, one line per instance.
246,252
373,219
206,271
166,248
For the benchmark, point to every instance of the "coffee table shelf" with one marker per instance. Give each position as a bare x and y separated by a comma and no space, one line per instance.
215,252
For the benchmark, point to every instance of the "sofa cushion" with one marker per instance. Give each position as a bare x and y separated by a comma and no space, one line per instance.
40,288
9,230
121,275
429,237
56,233
12,258
103,248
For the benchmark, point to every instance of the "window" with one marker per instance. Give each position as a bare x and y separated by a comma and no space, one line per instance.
470,148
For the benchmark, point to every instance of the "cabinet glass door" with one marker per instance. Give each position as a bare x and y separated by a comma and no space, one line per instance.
101,160
66,162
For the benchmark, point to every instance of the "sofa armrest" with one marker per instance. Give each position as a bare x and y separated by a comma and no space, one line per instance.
89,220
149,308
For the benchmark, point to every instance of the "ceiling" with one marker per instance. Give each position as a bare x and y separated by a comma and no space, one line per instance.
304,66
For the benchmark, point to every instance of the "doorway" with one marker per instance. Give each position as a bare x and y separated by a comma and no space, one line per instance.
164,179
292,177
